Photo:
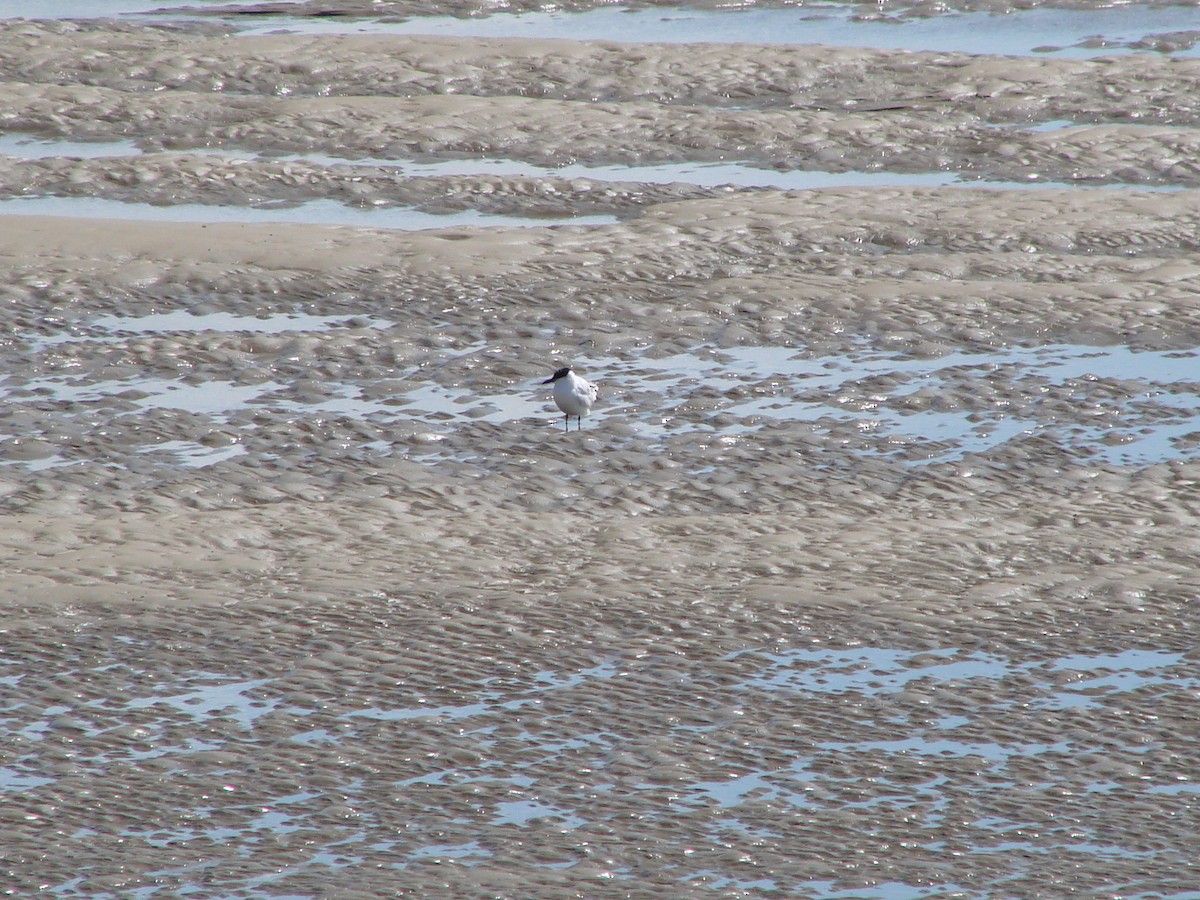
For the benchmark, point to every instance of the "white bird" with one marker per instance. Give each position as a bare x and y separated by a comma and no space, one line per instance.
574,395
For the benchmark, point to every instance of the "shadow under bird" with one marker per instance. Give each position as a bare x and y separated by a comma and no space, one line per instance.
574,396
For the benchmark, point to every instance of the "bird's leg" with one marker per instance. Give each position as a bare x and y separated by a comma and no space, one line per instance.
566,422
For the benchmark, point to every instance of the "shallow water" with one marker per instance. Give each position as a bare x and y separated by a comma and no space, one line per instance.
312,212
218,321
32,146
1045,30
550,779
704,174
77,9
871,575
1147,402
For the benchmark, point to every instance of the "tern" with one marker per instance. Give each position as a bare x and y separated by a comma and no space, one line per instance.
574,396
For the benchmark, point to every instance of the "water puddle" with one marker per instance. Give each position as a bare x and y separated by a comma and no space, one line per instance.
113,328
30,146
464,851
872,671
1111,403
1066,32
780,785
1080,33
75,9
868,670
703,174
213,696
746,388
212,398
192,455
12,780
709,174
714,881
525,812
181,320
526,758
890,890
313,212
1114,674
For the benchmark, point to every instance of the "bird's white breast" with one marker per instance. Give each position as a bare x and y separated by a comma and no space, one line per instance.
574,395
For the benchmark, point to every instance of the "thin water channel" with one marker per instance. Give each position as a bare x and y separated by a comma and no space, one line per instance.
1040,30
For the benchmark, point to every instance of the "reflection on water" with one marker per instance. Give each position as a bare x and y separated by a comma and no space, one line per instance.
704,174
274,323
751,386
113,328
75,9
312,212
891,890
526,756
1095,31
1124,406
874,670
1078,33
190,454
228,699
32,146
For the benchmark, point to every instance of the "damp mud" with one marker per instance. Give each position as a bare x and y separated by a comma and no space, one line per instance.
872,574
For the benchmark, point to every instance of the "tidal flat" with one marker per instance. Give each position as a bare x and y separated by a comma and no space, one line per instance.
872,574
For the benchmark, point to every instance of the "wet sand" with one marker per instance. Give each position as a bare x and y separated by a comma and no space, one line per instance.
330,605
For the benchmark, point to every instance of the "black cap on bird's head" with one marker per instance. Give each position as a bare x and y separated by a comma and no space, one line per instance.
561,373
